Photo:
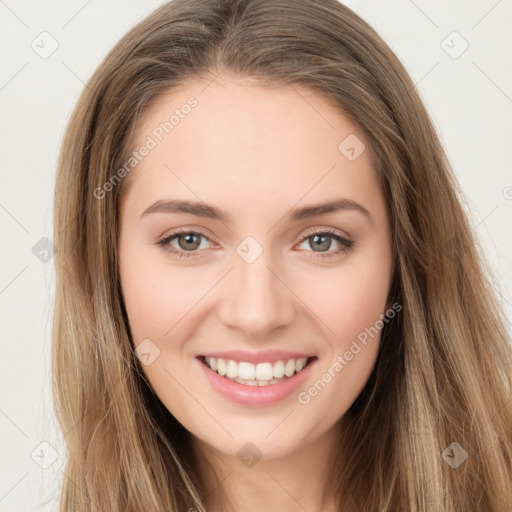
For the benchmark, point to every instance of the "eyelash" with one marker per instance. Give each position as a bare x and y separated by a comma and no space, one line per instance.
346,245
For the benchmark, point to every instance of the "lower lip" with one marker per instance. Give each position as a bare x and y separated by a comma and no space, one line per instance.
256,395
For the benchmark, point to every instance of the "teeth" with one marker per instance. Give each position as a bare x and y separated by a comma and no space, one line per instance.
278,369
289,369
221,366
257,382
262,374
232,369
264,371
246,371
299,365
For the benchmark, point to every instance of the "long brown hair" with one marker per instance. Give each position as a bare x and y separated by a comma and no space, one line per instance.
444,370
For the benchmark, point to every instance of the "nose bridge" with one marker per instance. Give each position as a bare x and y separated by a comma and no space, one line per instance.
256,301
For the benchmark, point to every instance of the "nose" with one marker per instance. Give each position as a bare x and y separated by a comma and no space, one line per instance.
256,298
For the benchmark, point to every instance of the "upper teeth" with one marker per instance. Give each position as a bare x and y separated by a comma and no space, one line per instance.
261,371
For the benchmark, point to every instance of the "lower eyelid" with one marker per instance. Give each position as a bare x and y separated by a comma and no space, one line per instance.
166,240
345,243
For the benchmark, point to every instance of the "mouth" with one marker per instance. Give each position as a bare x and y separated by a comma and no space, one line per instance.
261,374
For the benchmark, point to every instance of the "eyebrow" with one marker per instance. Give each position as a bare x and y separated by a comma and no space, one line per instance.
200,209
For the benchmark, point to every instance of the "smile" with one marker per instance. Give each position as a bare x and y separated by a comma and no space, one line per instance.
262,387
261,374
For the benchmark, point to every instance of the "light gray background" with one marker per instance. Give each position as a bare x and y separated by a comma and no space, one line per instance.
469,98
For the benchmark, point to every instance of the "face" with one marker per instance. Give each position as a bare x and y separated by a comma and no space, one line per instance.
253,272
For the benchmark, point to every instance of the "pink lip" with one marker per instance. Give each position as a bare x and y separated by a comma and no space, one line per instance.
263,356
255,395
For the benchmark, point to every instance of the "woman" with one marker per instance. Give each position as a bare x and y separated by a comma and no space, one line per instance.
268,294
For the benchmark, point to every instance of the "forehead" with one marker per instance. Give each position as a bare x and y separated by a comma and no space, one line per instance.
242,143
244,112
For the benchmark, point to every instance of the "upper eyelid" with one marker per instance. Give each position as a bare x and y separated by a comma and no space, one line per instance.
329,231
199,232
346,243
313,231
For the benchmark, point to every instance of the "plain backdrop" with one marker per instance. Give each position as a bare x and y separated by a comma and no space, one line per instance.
458,54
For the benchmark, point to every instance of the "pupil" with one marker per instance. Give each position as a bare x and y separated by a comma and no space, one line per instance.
189,239
325,245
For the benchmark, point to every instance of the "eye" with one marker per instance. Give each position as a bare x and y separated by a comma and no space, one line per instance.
322,240
188,243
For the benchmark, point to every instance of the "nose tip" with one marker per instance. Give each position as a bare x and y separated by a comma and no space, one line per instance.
257,301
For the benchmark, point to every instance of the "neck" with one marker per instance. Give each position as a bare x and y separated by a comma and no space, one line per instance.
296,481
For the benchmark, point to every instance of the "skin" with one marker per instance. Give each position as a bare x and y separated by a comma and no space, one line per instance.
256,152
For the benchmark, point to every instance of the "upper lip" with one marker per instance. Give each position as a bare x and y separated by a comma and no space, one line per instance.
263,356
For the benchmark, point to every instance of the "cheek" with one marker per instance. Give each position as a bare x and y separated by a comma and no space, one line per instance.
346,300
339,379
349,300
156,297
